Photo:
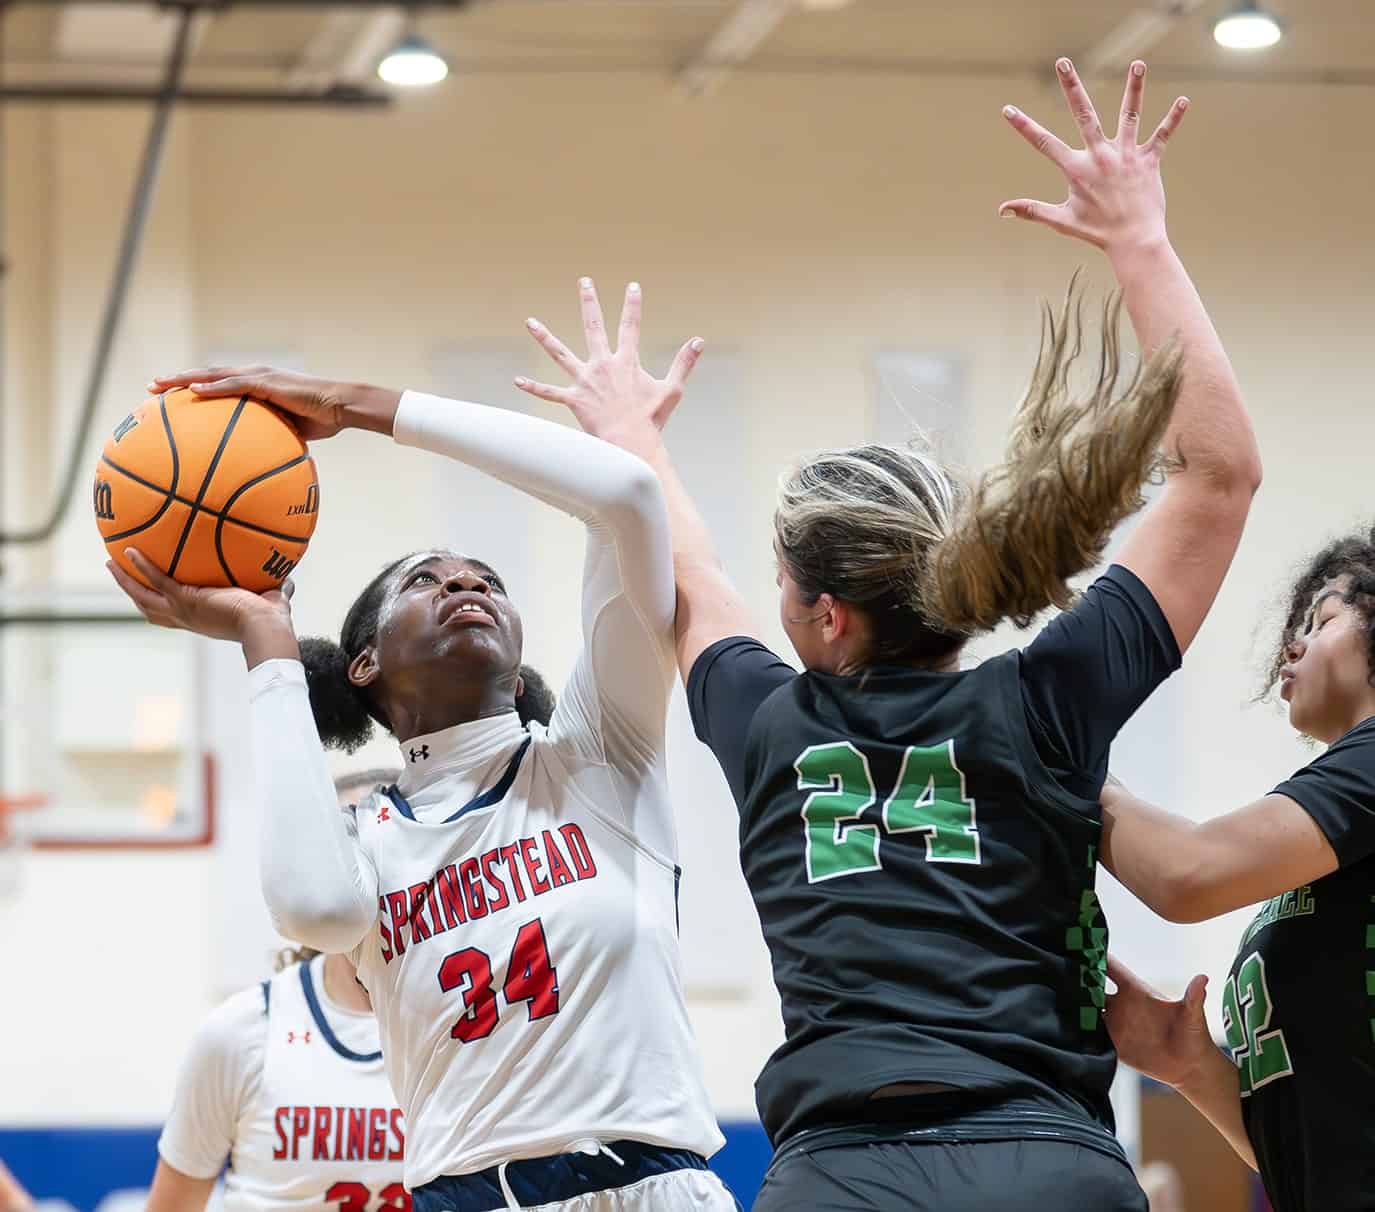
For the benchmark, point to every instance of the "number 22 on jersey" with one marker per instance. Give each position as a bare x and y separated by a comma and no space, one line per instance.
930,798
1260,1054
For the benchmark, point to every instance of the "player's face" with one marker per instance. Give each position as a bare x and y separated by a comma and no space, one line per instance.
799,622
442,607
1326,677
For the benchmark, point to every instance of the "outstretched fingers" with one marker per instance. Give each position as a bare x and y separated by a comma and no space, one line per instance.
566,360
1053,148
1168,125
547,391
593,326
1129,119
628,339
1079,102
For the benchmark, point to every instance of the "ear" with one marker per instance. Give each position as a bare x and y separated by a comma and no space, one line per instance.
520,685
833,616
364,669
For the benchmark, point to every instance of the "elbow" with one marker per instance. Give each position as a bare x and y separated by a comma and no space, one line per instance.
635,494
1184,896
327,927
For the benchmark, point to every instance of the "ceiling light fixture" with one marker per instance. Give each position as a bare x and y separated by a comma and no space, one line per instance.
413,63
1247,28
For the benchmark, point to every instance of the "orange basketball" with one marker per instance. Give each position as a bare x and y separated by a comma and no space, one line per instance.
213,491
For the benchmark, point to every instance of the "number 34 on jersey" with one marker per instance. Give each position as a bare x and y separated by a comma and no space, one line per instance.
930,798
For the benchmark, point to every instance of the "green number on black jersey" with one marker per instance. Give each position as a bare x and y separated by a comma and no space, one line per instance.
1260,1055
929,798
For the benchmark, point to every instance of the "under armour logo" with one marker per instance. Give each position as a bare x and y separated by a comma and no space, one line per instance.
421,754
291,1037
104,501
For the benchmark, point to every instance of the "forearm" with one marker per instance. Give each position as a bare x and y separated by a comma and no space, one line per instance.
1142,846
1210,427
317,889
1215,1092
709,605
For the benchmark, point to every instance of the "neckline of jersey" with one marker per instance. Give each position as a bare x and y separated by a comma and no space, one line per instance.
326,1030
484,799
428,757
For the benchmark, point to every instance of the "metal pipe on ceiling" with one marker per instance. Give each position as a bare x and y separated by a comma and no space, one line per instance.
107,94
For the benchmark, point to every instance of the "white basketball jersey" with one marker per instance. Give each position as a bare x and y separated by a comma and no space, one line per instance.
326,1132
524,967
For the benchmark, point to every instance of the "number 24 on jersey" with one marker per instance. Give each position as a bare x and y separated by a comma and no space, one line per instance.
930,798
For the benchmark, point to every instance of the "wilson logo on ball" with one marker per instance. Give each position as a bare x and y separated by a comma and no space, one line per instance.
125,426
278,565
104,502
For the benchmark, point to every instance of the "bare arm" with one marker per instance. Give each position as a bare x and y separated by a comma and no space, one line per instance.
709,607
13,1197
1187,538
1189,871
173,1191
1169,1041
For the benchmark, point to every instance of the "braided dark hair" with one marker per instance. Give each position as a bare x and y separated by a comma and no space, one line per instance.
345,713
1351,558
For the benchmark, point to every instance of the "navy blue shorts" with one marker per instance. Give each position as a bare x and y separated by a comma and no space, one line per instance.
546,1180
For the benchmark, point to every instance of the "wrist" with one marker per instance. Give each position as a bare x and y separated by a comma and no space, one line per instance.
1133,250
362,406
268,637
1208,1071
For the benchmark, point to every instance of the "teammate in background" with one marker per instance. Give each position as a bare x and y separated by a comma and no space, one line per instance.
285,1082
13,1197
920,841
511,903
1297,1099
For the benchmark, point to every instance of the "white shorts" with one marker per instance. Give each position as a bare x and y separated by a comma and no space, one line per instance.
679,1191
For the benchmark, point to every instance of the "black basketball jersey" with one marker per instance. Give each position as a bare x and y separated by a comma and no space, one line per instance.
1299,1003
924,881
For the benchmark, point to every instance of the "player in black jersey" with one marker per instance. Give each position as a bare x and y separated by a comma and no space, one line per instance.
920,841
1298,1103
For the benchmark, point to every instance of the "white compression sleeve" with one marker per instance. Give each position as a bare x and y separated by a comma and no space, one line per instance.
628,596
319,888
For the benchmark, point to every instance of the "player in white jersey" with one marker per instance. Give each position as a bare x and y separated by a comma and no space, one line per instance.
511,903
285,1081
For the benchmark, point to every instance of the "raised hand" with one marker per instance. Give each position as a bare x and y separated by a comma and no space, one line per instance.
319,408
1116,198
221,614
613,397
1164,1039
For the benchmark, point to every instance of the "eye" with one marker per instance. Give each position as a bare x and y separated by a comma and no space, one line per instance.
494,581
423,575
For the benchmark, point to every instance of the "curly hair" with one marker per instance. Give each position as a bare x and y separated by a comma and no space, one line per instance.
1350,559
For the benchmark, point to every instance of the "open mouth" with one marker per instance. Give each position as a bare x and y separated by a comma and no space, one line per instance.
465,611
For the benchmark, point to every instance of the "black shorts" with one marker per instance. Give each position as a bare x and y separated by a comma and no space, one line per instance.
944,1176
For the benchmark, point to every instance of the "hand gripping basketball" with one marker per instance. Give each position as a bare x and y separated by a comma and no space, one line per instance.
316,406
219,613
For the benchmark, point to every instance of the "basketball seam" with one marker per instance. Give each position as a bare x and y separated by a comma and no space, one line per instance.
235,495
181,500
170,494
205,483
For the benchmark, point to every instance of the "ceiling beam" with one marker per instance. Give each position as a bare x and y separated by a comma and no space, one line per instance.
746,28
345,49
1136,35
